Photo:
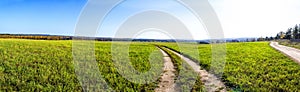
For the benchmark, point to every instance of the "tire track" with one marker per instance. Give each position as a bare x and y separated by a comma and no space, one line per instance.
211,82
167,80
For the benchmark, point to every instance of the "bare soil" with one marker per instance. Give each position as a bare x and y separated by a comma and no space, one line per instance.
211,82
167,80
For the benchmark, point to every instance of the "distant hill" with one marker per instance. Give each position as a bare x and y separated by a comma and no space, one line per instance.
61,37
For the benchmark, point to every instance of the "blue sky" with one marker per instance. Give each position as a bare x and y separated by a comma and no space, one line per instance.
39,16
239,18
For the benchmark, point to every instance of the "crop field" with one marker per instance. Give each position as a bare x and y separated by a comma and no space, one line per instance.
32,65
252,67
36,65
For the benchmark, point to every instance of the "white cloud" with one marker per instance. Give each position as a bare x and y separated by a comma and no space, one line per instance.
239,18
254,18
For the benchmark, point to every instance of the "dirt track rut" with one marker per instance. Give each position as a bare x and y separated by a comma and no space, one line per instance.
167,81
211,82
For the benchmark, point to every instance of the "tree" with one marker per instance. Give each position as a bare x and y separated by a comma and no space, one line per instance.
267,38
288,34
277,36
298,33
295,34
261,39
271,38
291,33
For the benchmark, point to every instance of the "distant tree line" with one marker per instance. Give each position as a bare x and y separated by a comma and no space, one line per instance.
54,37
36,37
292,33
265,38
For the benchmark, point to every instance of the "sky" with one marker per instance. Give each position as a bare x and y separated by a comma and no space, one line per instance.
252,18
239,18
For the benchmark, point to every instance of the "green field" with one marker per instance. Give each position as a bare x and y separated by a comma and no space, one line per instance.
252,67
33,65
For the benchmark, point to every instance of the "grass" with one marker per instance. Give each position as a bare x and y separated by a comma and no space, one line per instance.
289,43
251,66
31,65
36,66
187,77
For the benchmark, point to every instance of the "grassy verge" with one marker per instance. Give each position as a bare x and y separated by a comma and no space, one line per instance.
289,43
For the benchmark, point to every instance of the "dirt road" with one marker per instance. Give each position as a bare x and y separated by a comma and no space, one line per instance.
211,82
289,51
167,81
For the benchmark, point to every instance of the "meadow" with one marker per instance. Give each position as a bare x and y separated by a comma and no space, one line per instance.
38,65
251,66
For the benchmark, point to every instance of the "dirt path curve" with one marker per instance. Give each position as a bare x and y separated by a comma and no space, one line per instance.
289,51
211,82
167,81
